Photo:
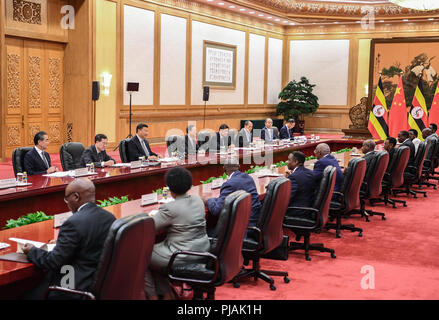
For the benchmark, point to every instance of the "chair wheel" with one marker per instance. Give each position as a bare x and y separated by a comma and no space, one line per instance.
405,205
333,256
383,218
367,219
338,235
308,258
236,285
360,234
286,280
272,287
425,195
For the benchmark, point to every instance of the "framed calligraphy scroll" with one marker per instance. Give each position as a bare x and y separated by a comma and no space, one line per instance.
219,65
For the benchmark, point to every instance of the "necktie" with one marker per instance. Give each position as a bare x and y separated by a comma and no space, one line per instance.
45,160
100,156
145,148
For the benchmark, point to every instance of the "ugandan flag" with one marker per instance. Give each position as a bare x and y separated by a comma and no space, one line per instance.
378,115
433,116
418,115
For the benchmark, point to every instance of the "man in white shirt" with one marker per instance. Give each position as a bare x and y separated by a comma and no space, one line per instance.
269,133
413,136
245,135
37,161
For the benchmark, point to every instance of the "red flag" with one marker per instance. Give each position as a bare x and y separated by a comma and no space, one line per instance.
433,115
398,112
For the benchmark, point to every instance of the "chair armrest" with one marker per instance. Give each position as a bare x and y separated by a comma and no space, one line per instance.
89,295
193,253
259,238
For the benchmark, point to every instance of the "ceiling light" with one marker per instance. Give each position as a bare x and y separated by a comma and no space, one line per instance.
292,24
242,9
381,21
252,12
220,3
277,20
417,4
260,15
405,20
430,19
285,21
232,7
269,17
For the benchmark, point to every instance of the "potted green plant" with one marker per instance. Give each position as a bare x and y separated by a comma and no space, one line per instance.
297,100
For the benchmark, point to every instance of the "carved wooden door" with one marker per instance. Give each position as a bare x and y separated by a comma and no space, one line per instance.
34,87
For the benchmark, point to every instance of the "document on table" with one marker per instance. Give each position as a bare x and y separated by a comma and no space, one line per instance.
58,174
41,245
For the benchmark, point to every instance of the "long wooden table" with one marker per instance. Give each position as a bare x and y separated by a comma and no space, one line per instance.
46,194
16,277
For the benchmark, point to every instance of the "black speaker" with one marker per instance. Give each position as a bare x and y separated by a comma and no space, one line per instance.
205,93
132,86
95,90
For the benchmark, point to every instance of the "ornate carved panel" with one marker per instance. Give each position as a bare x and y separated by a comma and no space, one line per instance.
69,132
34,76
54,83
55,132
13,82
33,128
13,135
27,12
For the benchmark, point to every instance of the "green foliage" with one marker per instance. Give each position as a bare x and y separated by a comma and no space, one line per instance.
112,201
392,71
224,176
254,169
158,191
343,150
281,164
27,219
310,158
297,99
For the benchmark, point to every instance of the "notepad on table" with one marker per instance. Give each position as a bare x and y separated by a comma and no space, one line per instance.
40,245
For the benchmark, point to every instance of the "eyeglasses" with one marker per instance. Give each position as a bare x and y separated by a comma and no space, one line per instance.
66,198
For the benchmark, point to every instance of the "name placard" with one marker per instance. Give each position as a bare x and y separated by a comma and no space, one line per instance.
81,172
136,164
8,183
217,183
59,219
149,199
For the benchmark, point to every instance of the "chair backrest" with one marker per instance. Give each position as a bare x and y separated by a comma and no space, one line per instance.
18,159
399,163
125,258
70,155
353,179
123,150
431,149
274,206
377,172
203,138
230,233
420,157
324,195
175,143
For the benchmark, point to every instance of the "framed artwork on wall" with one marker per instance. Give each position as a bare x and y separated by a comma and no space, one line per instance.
219,65
411,58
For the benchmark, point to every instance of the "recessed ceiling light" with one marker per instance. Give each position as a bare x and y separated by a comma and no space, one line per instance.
252,12
285,21
209,0
335,22
292,24
220,3
357,21
232,7
431,19
260,15
405,20
277,20
381,21
242,9
269,17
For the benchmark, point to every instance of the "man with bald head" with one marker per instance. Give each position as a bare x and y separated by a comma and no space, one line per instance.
269,133
79,244
323,154
368,150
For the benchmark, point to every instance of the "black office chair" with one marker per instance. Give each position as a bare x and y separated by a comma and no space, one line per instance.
123,150
394,177
18,159
372,184
125,257
349,197
175,143
267,235
70,155
429,164
304,227
413,173
224,259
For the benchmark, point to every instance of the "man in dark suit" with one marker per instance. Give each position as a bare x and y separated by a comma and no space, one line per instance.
286,132
368,150
433,128
245,136
96,153
222,139
37,161
389,146
191,144
79,245
323,154
237,181
138,146
303,186
403,138
269,133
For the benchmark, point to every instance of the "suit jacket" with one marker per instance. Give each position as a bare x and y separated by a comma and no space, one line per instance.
216,142
80,242
135,150
238,181
242,138
34,164
185,224
303,186
189,148
91,155
320,166
264,135
286,133
410,144
389,165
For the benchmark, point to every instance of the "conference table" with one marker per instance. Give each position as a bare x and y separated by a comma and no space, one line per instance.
16,277
47,193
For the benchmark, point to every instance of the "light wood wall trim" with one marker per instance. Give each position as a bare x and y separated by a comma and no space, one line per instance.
94,76
120,28
246,68
286,62
36,35
2,78
188,61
